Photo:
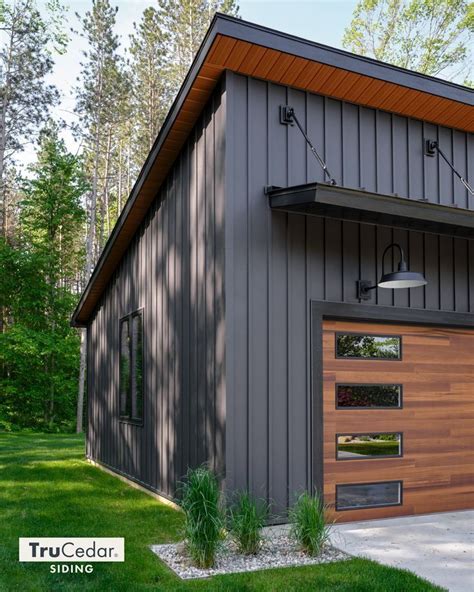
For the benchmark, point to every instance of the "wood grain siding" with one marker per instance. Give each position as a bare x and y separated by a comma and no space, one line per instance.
437,418
277,263
174,270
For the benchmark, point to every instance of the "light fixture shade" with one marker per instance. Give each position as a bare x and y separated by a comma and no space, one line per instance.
402,279
394,280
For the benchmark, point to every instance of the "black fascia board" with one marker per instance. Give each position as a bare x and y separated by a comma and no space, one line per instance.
338,58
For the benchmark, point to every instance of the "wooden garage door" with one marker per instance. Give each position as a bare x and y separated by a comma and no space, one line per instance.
398,419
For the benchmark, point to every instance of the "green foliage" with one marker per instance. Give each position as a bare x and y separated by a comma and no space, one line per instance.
204,522
430,36
368,346
247,518
309,526
25,55
38,349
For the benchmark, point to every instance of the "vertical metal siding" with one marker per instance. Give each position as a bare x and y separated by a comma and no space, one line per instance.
279,262
174,269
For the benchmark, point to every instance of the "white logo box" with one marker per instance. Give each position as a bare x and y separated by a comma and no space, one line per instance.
60,550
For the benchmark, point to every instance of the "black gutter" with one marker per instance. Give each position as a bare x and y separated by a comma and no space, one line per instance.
358,205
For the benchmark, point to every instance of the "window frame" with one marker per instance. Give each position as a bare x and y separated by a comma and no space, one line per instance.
380,456
371,506
369,359
129,419
375,407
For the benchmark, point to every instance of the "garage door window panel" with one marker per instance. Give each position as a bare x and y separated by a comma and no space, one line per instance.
359,346
369,396
352,496
368,445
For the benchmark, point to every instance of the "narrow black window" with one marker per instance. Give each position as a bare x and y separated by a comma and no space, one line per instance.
368,396
354,446
368,495
137,373
131,367
369,347
124,368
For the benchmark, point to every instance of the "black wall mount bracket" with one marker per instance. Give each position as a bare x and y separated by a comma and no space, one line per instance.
287,115
430,147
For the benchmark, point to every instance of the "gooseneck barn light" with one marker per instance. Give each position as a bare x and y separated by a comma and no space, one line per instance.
402,278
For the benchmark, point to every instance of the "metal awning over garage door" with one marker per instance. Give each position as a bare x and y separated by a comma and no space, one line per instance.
398,419
344,203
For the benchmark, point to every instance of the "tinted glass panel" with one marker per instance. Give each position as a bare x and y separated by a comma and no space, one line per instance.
352,446
383,347
368,395
124,368
368,495
131,367
137,379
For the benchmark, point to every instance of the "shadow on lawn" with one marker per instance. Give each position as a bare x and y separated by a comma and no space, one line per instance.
65,496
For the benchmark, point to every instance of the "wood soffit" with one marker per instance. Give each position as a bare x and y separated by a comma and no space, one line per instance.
232,44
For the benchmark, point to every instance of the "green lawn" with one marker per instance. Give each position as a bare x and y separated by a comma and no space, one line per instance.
47,489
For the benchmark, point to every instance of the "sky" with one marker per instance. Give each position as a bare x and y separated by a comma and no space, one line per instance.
318,20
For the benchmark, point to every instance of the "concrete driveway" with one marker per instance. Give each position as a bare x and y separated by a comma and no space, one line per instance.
438,547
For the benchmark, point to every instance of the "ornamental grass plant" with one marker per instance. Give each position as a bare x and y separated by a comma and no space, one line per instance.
246,519
204,517
308,523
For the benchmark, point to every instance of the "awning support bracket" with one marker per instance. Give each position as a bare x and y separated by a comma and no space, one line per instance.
430,150
288,117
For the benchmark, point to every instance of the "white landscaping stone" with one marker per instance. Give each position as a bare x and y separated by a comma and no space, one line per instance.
278,550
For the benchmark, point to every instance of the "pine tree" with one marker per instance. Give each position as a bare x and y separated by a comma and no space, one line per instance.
103,84
162,49
186,22
150,67
25,96
103,103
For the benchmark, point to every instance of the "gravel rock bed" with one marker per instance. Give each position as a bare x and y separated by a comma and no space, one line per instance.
277,550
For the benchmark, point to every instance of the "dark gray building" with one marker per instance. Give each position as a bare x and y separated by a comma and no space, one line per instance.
226,320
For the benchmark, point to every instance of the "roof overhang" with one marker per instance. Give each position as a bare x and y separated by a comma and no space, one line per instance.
233,44
332,201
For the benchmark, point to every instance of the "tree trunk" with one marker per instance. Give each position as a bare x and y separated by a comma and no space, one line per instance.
119,181
82,383
89,264
106,187
3,134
